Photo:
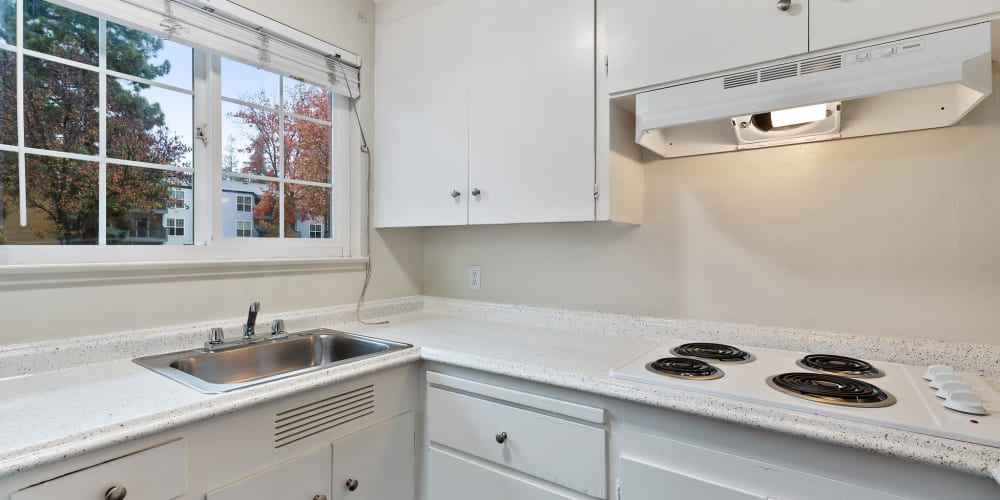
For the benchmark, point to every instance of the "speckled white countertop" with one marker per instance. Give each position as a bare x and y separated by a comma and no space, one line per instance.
50,415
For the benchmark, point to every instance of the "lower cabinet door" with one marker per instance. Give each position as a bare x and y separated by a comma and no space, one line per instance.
376,463
450,477
302,478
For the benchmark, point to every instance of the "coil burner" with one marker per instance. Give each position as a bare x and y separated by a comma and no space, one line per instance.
716,352
685,368
840,365
831,389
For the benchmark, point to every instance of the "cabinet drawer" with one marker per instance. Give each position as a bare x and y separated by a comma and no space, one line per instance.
562,451
454,478
158,473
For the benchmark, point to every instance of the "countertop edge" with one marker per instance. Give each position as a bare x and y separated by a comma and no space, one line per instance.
45,453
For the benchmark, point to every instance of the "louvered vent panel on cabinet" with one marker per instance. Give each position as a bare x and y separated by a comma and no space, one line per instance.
296,424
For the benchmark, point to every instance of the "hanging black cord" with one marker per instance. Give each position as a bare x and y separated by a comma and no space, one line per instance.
368,190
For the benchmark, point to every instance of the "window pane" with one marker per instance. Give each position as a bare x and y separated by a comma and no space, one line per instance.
306,99
140,54
8,22
251,140
261,221
307,150
250,84
149,124
8,98
306,206
62,201
60,107
10,224
139,202
61,32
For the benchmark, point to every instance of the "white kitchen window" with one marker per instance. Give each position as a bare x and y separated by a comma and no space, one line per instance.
112,135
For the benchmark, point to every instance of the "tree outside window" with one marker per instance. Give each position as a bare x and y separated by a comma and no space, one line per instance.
61,116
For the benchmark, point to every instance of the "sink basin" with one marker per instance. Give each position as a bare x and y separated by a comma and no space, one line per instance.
241,365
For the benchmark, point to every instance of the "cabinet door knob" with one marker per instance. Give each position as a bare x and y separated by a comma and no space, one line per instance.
352,484
455,193
784,5
319,497
476,192
501,437
115,493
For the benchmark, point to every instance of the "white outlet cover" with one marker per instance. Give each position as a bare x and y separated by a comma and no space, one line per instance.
475,278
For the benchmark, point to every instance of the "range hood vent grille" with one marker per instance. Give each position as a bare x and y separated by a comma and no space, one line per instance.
782,71
779,72
296,424
822,64
740,80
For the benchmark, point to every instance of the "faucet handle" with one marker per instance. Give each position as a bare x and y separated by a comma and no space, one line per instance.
278,327
216,336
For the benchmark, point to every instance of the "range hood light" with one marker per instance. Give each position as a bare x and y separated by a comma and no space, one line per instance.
798,116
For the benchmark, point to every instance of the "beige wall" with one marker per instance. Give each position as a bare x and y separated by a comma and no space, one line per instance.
894,235
62,312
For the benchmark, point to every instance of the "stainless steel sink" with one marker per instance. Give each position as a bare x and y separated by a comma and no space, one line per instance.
262,361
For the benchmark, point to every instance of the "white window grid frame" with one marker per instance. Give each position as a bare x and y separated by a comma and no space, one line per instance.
177,198
348,205
174,223
241,203
244,225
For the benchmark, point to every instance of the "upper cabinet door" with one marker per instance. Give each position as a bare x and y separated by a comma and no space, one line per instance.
651,42
531,115
421,114
840,22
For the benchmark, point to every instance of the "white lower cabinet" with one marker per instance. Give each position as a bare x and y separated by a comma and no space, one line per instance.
306,477
499,435
377,463
158,473
374,464
651,465
641,480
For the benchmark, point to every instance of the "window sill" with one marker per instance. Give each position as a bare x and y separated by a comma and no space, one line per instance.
14,277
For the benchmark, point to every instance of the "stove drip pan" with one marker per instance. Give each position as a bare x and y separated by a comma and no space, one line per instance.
685,368
831,389
839,365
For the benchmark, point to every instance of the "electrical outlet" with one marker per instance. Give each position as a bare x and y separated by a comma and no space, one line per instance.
475,278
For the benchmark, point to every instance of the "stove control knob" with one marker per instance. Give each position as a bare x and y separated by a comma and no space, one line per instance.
943,378
965,402
936,370
949,387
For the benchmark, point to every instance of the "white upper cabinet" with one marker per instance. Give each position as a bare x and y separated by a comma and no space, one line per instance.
484,112
650,42
531,116
840,22
421,146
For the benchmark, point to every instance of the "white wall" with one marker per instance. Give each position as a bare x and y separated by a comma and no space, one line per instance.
63,312
894,235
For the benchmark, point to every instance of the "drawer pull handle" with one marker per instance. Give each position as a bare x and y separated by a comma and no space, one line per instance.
352,484
501,437
115,493
319,497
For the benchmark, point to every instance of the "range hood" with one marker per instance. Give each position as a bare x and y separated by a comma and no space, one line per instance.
914,83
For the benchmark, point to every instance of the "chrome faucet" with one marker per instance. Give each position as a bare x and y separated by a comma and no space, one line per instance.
248,328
